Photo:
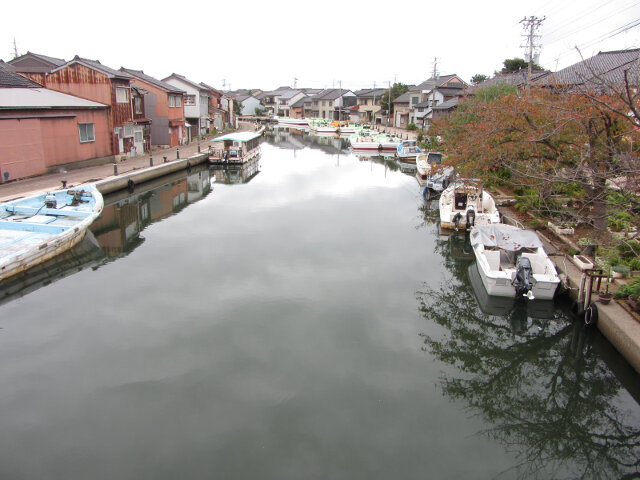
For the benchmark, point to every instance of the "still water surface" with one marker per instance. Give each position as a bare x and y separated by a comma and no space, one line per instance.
300,318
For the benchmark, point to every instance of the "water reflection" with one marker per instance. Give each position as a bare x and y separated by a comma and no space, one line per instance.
125,215
236,174
532,375
291,138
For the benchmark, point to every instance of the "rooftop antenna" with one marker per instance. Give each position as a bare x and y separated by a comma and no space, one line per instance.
15,48
295,82
224,83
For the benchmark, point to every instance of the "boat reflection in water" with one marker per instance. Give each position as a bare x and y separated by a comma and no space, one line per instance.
517,310
126,214
236,174
86,254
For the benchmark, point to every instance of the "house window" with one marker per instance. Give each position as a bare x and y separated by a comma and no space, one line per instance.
331,103
122,95
128,131
138,137
323,103
138,103
415,100
189,99
172,101
87,132
178,101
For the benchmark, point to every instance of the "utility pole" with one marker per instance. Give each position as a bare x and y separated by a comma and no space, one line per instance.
389,106
433,90
15,48
224,83
531,26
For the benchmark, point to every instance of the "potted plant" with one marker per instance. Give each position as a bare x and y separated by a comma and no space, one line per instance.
620,271
605,297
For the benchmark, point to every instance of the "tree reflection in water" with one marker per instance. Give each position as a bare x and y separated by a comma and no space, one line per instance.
545,393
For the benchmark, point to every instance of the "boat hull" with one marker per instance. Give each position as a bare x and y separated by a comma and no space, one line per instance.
27,242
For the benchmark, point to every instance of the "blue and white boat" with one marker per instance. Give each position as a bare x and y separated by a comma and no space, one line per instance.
37,228
408,150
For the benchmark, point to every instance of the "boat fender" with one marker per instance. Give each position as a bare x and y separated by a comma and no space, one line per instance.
591,315
445,183
456,220
380,147
188,166
471,217
131,185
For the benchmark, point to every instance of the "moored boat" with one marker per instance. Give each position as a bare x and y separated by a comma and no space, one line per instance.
368,140
237,147
431,174
465,203
38,228
408,150
512,262
296,122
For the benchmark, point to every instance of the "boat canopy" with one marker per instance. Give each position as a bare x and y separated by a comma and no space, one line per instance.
237,137
506,237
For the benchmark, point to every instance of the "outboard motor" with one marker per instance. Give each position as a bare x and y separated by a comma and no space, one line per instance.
471,217
50,201
523,281
456,220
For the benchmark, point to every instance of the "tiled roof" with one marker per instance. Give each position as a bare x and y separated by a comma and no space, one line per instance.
54,62
185,80
209,87
42,99
429,84
10,79
331,93
609,66
286,94
95,65
301,102
153,81
404,98
370,92
451,103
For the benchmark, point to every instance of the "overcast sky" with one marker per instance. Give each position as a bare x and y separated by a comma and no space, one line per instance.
266,44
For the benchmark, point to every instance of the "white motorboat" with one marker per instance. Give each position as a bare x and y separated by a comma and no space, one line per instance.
408,150
372,141
431,174
465,203
513,263
290,121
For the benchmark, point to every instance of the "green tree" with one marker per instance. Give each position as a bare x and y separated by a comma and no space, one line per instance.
478,78
397,90
516,64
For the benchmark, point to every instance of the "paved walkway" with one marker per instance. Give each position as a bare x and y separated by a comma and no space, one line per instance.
51,181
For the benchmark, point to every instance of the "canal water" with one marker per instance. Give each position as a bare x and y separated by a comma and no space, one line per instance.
298,317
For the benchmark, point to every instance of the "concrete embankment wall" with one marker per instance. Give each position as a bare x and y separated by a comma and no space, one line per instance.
121,182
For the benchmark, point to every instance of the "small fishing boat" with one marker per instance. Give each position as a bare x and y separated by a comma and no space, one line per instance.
408,150
321,125
237,147
295,122
465,203
371,140
431,174
37,228
512,262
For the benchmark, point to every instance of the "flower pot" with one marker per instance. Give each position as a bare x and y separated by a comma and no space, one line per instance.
604,298
582,262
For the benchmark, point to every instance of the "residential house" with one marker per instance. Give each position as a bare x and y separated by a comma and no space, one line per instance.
603,69
248,104
368,101
217,114
35,66
297,108
431,93
402,110
286,99
91,80
43,130
333,104
196,104
164,105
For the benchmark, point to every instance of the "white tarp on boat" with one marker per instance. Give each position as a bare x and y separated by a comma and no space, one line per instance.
505,237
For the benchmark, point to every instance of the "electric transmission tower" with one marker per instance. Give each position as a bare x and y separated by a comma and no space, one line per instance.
532,38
